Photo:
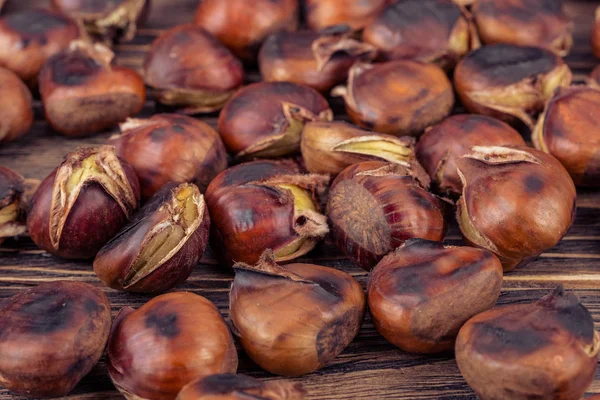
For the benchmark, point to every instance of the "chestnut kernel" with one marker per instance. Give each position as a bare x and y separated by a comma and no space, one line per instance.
354,13
423,292
596,34
397,97
542,350
83,203
16,107
52,336
181,78
294,320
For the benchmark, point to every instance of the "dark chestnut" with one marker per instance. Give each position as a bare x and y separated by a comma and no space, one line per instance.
596,34
354,13
16,108
15,195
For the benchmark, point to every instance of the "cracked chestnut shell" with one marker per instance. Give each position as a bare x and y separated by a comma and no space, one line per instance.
182,79
542,350
441,145
160,245
171,148
15,194
509,82
397,97
16,106
596,34
516,202
173,339
51,336
265,205
294,320
374,207
266,119
354,13
422,293
83,203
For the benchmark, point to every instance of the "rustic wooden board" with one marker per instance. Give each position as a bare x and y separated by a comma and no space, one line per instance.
369,368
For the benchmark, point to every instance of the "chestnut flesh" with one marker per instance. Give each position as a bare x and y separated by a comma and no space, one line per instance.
16,106
354,13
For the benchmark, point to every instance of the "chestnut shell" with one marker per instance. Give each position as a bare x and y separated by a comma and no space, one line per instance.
596,34
354,13
16,106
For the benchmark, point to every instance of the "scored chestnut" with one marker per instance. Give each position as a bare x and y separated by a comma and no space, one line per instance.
182,79
15,194
83,203
16,106
596,34
294,320
354,13
542,350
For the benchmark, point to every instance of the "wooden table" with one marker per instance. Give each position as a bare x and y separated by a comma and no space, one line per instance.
369,368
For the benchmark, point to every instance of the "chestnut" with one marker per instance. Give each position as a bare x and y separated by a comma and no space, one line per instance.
170,148
596,34
354,13
441,145
397,97
320,60
84,94
83,203
294,320
16,106
542,350
154,351
15,194
509,82
594,79
266,119
52,336
181,78
516,202
423,292
374,207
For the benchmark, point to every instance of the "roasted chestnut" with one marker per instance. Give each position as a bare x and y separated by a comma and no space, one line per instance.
52,335
16,109
374,207
398,97
354,13
516,202
173,339
542,350
181,78
594,79
509,82
265,205
440,147
266,119
596,34
423,292
15,194
295,319
160,245
83,203
171,148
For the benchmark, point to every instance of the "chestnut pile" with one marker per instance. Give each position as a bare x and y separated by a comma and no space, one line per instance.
279,174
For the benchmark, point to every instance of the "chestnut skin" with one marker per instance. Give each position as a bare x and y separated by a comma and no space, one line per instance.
16,106
52,336
423,292
596,34
354,13
154,351
542,350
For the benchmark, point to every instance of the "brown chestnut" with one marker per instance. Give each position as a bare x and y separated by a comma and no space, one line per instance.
15,194
154,351
294,320
423,292
83,203
516,202
171,148
441,145
543,350
160,245
266,119
188,68
354,13
509,82
596,34
397,97
52,335
16,108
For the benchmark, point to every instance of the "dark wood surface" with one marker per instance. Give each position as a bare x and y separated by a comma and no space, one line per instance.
369,368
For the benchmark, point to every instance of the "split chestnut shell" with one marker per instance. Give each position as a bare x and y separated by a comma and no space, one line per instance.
16,106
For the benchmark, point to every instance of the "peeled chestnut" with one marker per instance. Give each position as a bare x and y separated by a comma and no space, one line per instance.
354,13
173,339
398,97
423,292
374,207
266,119
516,202
51,336
509,82
171,148
83,203
543,350
596,34
294,320
265,205
16,109
441,145
188,68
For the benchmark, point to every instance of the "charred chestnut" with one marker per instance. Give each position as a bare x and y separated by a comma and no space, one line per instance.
354,13
16,108
181,78
542,350
52,336
596,34
83,203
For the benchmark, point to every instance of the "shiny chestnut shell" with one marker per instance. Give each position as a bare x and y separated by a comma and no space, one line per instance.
354,13
16,106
